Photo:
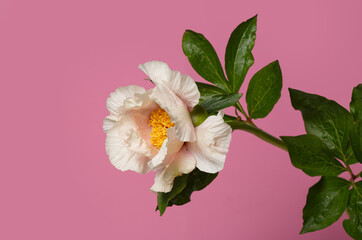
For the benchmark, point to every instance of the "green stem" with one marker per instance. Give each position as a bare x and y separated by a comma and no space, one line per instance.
247,127
349,170
358,175
240,108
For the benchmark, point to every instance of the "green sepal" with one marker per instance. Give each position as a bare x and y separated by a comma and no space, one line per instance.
207,91
326,202
310,154
230,119
238,56
324,118
204,59
264,90
353,225
356,102
198,115
218,102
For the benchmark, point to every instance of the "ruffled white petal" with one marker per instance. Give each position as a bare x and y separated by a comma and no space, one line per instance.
183,86
134,132
159,72
133,142
169,147
177,111
115,102
138,101
181,163
188,91
109,122
133,113
212,145
123,158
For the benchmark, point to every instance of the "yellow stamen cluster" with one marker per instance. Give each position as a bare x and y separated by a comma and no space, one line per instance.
160,122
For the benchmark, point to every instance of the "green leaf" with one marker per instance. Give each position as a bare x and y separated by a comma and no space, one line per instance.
163,198
182,189
324,118
197,181
238,56
198,115
353,225
356,139
218,102
207,91
350,157
204,59
326,202
356,103
264,90
309,153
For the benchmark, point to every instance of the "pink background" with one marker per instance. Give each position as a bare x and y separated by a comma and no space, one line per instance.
59,61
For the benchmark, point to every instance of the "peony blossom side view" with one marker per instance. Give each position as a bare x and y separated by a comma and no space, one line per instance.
151,130
179,129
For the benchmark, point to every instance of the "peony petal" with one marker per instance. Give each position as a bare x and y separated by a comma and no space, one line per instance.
158,72
211,147
123,158
188,91
139,101
181,163
133,114
134,132
109,122
177,111
169,147
183,86
133,142
137,112
116,99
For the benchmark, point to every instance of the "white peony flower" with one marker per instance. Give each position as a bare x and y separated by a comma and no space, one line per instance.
152,130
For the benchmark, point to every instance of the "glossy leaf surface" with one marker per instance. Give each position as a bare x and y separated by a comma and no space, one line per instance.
218,102
353,225
264,90
238,56
207,90
324,118
326,202
204,59
309,153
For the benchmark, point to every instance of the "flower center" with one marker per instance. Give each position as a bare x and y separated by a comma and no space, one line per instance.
160,122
